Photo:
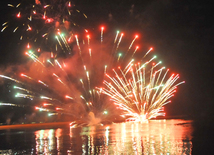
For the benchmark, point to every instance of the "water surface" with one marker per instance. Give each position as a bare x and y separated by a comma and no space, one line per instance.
155,137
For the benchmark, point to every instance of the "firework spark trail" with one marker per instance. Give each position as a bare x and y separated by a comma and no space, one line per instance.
10,104
118,44
23,89
136,36
102,28
77,41
6,77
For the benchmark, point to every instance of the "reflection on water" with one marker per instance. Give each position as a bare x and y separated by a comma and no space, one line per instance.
48,140
155,137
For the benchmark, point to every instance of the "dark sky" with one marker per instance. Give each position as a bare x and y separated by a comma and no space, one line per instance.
181,33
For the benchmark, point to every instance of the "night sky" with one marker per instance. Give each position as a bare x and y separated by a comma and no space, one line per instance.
181,33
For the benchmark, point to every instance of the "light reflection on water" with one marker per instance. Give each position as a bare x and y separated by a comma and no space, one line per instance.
48,140
155,137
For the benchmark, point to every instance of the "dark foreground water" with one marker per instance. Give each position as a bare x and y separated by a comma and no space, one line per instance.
155,137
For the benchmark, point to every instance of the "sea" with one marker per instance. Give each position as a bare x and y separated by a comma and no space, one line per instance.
155,137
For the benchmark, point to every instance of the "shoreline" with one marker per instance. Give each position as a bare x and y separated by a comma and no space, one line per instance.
36,125
59,124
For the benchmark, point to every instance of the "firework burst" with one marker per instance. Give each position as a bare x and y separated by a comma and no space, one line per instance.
68,85
141,90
